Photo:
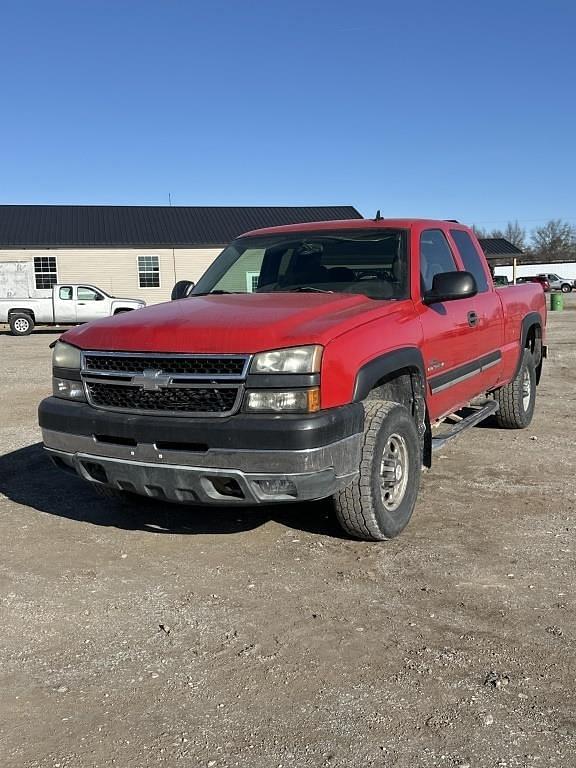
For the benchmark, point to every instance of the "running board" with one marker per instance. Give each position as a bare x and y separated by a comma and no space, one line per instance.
478,414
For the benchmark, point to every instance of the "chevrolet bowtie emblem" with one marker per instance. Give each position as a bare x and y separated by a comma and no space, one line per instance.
152,380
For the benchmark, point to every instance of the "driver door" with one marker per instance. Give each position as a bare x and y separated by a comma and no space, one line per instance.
450,332
90,304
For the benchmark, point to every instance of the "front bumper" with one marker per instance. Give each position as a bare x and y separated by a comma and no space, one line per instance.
197,462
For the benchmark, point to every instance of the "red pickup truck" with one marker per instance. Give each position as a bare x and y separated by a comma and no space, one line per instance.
310,361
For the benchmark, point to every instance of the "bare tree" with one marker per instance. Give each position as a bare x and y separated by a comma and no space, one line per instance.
555,238
513,232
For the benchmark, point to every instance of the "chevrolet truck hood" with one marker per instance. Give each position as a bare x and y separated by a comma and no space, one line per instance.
234,323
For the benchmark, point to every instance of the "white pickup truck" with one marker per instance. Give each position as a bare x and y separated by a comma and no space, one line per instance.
23,307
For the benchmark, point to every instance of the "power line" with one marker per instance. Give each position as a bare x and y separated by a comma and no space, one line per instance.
526,221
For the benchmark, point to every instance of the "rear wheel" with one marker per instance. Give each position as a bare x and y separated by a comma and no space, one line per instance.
518,398
379,503
21,324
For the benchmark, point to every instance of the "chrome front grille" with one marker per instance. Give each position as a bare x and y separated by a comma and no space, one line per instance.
192,385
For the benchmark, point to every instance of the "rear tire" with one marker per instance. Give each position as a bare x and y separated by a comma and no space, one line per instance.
21,324
379,503
517,399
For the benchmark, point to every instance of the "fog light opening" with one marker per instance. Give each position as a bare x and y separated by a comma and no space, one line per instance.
277,486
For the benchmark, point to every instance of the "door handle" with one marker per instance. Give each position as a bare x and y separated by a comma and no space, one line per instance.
472,319
81,303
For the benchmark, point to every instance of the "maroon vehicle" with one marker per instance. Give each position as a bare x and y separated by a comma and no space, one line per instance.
310,361
542,279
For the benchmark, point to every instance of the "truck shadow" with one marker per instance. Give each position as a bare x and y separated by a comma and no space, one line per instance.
28,477
36,332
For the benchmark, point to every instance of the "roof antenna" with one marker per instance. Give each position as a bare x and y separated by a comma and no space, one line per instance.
170,199
378,216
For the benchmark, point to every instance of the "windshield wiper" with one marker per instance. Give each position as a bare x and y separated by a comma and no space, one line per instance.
213,293
307,289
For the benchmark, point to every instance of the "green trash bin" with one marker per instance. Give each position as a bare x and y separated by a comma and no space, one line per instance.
556,302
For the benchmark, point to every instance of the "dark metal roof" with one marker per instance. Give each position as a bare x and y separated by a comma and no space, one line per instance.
501,253
499,246
143,226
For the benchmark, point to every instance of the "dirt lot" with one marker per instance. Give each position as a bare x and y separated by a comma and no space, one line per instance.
266,639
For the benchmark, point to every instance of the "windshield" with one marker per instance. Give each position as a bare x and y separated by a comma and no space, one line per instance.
370,262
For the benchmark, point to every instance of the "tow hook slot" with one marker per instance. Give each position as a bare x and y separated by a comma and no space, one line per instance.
227,487
94,471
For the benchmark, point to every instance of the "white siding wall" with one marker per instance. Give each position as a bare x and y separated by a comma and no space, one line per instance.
567,269
115,270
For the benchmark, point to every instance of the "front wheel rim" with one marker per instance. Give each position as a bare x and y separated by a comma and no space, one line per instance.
21,325
394,469
526,389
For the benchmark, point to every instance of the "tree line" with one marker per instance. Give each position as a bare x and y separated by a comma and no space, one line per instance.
555,238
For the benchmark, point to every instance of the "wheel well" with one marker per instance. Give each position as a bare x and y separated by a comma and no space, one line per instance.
408,388
121,310
533,342
534,339
23,311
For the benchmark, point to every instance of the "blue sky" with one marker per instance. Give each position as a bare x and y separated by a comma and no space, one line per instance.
442,109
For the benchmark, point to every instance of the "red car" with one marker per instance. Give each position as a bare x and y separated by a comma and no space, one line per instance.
313,360
536,279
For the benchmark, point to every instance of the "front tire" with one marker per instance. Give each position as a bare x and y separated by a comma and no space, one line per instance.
379,503
21,324
566,288
517,399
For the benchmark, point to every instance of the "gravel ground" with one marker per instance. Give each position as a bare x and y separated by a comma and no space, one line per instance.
171,636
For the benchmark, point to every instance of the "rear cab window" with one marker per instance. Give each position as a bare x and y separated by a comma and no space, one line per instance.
471,259
65,293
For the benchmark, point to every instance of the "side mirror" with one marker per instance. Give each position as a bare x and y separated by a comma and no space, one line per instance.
99,297
182,289
450,286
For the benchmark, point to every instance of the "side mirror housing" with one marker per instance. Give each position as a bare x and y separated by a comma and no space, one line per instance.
451,286
182,289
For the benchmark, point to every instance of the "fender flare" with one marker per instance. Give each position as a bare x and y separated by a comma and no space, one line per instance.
383,366
531,320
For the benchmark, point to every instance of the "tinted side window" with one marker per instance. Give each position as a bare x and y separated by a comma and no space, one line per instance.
435,257
470,257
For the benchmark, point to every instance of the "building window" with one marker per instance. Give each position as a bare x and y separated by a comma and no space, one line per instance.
45,272
149,271
252,281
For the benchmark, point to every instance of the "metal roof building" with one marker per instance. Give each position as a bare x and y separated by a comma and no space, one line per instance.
135,251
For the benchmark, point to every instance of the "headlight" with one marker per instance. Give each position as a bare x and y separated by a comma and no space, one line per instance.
69,390
292,360
295,401
66,356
